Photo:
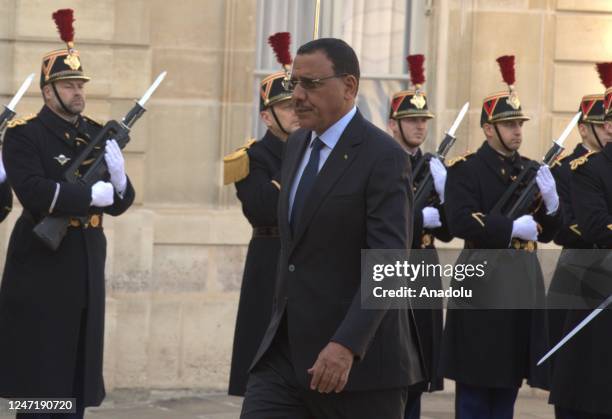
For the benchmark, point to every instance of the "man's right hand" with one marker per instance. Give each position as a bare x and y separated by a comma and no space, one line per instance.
102,194
525,228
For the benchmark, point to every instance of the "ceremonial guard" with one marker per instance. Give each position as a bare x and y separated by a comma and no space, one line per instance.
488,352
255,170
564,282
408,122
52,301
582,376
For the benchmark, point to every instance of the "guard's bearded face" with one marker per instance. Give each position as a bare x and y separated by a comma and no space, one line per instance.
72,93
320,95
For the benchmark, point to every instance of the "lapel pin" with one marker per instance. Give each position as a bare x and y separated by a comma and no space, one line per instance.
346,157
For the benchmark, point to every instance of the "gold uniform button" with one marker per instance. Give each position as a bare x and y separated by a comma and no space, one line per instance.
94,221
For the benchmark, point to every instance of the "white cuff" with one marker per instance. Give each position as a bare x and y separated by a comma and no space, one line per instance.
54,201
554,204
121,190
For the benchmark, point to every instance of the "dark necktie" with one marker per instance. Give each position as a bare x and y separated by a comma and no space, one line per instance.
306,182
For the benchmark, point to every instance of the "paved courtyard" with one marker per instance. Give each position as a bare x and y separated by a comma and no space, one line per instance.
184,405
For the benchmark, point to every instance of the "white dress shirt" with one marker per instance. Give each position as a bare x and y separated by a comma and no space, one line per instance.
329,138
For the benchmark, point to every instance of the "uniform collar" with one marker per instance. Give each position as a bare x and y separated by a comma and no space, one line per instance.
505,167
273,143
62,129
414,158
607,151
580,150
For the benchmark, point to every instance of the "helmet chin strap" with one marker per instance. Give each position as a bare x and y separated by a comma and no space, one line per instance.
59,99
501,140
401,130
596,136
278,121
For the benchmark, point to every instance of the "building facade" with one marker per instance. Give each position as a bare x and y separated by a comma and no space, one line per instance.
175,259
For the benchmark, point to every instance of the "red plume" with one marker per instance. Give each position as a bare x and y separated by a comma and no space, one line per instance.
280,42
417,72
506,64
63,19
605,73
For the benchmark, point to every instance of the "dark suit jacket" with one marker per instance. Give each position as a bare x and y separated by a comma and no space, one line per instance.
360,200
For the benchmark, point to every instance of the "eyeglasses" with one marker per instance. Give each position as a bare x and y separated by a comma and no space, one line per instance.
306,83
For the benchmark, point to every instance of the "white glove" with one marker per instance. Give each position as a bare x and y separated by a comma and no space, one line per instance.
116,166
431,218
2,171
438,171
525,228
102,194
548,189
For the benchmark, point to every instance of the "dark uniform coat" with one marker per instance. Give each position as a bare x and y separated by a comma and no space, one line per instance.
495,348
582,377
564,281
429,320
6,200
52,302
258,193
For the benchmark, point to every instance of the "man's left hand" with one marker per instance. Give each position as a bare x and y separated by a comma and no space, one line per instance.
331,369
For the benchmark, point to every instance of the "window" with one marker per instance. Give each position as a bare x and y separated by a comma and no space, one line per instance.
377,30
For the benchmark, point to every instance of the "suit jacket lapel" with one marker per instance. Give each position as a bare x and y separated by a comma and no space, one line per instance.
336,164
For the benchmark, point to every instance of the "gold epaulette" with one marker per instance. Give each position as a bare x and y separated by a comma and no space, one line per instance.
15,122
560,158
236,164
576,163
457,159
93,121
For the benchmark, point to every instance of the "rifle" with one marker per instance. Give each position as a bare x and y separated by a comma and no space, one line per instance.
52,228
515,201
9,110
426,186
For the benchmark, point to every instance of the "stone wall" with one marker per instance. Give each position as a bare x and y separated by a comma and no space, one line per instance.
556,44
175,259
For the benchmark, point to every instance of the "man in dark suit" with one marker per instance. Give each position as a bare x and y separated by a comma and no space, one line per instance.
347,189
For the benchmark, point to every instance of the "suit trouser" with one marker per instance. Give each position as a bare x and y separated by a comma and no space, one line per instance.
563,413
473,402
273,392
413,407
